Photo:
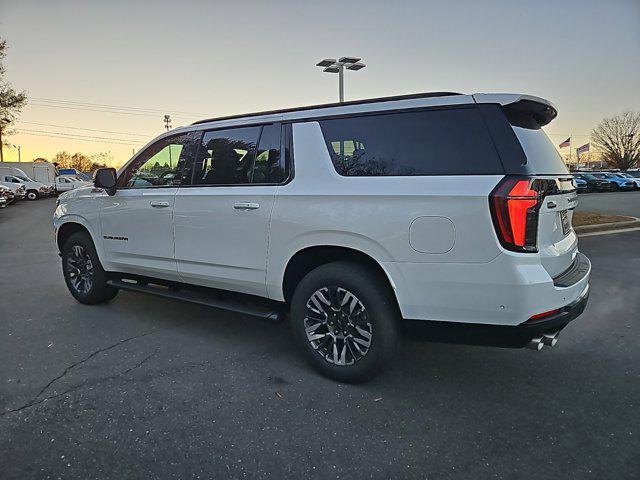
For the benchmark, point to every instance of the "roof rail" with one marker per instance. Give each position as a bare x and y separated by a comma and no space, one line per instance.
330,105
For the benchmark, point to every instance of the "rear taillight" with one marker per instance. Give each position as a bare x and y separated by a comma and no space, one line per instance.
514,205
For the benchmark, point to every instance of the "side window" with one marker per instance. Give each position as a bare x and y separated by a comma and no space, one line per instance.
161,164
268,165
432,142
226,157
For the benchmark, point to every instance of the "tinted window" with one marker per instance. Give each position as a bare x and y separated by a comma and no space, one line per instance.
540,152
268,164
161,164
435,142
226,157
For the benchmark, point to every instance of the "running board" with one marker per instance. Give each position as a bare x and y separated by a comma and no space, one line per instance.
229,301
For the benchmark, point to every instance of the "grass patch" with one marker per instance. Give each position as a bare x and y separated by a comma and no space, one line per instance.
592,218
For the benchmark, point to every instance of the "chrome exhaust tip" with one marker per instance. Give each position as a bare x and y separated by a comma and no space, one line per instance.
550,339
536,344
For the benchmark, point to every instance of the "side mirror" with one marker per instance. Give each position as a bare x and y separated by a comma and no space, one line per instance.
105,178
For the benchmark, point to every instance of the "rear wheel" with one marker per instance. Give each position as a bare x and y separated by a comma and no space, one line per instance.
83,273
32,195
346,321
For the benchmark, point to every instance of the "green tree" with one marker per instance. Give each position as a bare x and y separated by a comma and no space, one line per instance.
11,102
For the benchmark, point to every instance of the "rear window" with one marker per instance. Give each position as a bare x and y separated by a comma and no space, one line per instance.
434,142
542,156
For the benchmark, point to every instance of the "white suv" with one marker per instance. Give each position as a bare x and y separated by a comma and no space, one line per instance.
452,211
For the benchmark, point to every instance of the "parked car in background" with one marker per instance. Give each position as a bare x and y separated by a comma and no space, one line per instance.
77,178
8,195
581,185
67,171
19,189
618,183
43,172
64,183
594,183
34,189
633,173
346,218
630,177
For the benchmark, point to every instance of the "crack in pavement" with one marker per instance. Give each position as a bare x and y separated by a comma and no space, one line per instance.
36,401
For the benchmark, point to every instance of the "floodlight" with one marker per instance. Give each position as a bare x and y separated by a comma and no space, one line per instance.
326,62
356,66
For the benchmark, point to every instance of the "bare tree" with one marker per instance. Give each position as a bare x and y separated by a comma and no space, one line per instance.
618,139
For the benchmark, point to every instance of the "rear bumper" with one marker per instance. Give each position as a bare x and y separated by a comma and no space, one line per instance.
506,291
507,336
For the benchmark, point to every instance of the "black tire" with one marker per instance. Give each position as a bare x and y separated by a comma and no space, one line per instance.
32,195
89,292
381,320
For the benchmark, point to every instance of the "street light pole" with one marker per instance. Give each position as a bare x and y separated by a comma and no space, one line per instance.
331,65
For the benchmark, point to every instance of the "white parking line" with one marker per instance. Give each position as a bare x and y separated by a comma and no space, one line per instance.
608,232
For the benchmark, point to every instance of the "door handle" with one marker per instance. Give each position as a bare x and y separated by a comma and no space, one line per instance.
246,206
156,204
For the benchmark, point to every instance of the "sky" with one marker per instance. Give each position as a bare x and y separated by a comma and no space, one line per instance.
101,75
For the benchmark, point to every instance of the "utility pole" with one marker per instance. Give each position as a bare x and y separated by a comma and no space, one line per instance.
19,156
331,65
167,122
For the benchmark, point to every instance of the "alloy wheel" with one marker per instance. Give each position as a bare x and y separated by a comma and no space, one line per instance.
80,269
337,325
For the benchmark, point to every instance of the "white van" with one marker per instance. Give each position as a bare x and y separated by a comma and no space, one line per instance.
34,188
43,172
448,211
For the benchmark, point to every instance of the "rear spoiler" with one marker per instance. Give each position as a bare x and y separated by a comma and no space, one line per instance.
522,110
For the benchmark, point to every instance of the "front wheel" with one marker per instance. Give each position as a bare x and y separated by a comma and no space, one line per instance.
83,273
346,320
32,195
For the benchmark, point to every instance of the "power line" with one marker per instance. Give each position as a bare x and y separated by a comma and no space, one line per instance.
94,110
117,107
150,135
115,141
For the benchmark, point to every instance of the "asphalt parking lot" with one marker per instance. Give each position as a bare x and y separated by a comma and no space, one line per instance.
146,387
614,203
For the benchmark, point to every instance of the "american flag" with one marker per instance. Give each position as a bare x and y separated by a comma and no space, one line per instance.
566,143
583,149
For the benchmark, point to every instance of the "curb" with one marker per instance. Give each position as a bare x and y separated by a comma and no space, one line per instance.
601,227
